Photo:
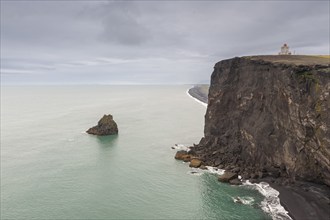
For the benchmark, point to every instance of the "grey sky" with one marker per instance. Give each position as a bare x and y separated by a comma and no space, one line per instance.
149,42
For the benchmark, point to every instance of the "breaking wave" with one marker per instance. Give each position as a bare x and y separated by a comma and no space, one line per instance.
271,204
245,200
209,169
181,147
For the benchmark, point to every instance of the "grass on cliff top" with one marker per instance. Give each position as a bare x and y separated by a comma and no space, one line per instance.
323,56
295,59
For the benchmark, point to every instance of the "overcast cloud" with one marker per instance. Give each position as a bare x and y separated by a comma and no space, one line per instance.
144,42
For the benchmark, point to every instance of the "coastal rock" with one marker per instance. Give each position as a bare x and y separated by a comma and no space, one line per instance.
238,200
221,166
246,176
105,126
195,163
183,155
254,176
270,111
235,182
236,170
227,176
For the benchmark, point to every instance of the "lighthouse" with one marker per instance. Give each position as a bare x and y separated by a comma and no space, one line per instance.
284,50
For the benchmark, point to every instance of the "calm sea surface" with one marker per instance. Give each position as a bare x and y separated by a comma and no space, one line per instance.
51,169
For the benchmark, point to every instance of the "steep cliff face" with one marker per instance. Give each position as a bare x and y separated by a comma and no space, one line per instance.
269,115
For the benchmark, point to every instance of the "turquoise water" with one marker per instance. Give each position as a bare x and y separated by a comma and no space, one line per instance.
51,169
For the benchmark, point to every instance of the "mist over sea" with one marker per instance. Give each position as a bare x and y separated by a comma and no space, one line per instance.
52,169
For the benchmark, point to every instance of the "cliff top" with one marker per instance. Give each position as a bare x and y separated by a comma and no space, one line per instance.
294,59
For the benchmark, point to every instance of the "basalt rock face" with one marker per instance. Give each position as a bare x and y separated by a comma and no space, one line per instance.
105,126
269,118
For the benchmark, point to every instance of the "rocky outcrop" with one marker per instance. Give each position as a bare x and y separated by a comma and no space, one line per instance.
183,155
195,163
187,157
105,126
268,116
227,176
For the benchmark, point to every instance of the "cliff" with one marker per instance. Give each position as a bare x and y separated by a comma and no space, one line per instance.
269,116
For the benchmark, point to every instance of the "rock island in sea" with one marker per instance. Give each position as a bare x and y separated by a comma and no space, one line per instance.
268,120
105,126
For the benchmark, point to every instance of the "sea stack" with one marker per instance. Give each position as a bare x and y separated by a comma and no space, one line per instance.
105,126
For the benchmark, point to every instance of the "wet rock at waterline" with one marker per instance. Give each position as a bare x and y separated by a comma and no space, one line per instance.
195,163
227,176
105,126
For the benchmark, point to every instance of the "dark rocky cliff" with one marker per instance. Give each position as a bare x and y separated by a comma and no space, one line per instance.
269,116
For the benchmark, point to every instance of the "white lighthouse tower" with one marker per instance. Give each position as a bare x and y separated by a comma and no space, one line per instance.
284,50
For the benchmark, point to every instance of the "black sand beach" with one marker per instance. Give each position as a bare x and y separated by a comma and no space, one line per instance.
303,201
200,92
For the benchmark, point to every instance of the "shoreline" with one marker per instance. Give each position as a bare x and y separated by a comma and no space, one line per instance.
271,203
199,93
301,200
304,200
196,99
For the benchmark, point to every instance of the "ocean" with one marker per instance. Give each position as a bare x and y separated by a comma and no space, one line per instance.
52,169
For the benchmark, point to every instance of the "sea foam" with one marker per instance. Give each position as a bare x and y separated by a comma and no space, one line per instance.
246,200
215,170
271,204
181,147
209,169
